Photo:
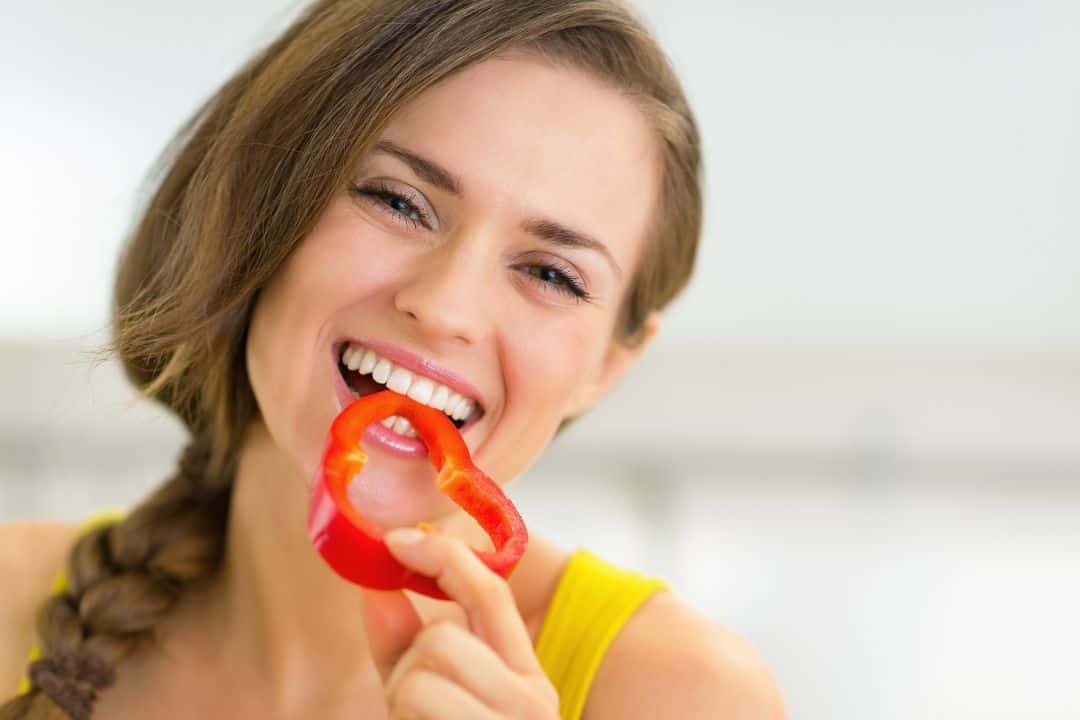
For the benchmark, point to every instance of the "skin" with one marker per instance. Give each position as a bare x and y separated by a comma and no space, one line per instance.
526,139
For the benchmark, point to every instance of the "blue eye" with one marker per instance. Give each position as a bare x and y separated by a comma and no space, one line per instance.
394,204
560,280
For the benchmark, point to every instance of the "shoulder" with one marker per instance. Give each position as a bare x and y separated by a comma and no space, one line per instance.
34,547
31,553
671,661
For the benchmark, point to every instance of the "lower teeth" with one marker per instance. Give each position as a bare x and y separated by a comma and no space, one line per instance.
389,422
394,422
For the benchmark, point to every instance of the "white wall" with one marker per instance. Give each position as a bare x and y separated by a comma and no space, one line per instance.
876,171
885,171
858,442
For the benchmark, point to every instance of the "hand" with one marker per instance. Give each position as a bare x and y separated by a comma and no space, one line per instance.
442,671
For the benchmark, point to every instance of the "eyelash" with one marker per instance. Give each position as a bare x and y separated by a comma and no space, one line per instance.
376,192
567,284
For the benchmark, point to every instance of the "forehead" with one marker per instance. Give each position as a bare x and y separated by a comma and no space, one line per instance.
531,139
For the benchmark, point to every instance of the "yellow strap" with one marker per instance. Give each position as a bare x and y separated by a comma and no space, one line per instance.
592,602
100,517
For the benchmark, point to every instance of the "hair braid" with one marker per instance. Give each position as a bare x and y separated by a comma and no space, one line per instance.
122,578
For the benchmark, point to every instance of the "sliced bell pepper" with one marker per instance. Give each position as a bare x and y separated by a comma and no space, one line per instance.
353,545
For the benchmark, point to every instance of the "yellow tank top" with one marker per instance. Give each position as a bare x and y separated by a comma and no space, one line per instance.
591,603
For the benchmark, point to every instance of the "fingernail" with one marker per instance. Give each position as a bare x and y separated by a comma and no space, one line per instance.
404,536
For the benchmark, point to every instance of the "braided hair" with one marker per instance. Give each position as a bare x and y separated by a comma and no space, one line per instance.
122,578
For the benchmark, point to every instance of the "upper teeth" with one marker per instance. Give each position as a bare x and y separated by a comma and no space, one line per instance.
419,388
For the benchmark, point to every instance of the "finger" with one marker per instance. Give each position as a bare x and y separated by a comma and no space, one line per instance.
453,652
391,623
485,596
423,695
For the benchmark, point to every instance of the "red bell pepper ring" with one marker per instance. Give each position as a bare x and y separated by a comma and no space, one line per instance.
353,545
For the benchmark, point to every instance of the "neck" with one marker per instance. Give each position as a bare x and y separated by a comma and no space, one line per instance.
276,617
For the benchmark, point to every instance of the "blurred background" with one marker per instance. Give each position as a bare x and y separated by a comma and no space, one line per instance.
857,442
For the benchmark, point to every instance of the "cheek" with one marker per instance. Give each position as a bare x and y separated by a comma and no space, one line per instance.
550,364
544,367
324,288
280,365
354,257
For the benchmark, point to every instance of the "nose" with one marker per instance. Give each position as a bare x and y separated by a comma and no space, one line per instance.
442,295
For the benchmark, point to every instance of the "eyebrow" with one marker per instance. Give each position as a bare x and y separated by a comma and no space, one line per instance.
542,228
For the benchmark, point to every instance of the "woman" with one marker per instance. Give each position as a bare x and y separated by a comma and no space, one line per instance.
495,197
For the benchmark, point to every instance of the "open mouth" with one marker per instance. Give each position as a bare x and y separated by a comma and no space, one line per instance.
360,377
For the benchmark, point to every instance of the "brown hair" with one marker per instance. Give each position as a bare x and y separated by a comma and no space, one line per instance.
242,183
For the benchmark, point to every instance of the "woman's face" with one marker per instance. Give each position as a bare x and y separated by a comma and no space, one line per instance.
468,278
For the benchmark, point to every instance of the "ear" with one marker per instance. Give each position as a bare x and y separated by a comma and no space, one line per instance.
617,360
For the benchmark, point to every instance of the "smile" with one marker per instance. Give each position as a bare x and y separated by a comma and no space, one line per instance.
365,371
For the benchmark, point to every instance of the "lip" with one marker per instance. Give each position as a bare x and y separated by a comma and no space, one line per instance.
376,433
417,364
380,435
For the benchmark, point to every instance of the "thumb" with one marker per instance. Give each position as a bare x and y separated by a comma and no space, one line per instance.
391,622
